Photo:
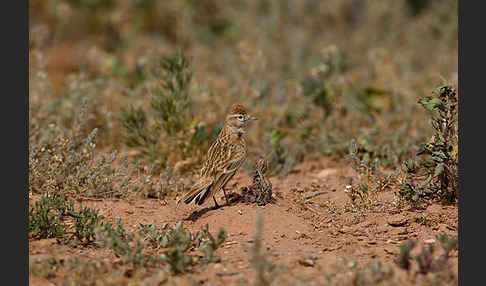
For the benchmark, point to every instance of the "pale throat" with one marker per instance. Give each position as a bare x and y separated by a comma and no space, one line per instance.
237,132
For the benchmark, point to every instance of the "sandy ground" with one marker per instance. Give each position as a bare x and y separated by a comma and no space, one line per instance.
309,235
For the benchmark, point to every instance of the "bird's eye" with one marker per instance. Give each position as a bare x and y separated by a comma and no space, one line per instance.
240,117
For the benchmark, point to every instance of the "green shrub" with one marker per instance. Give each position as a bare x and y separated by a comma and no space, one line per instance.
47,219
137,134
171,102
435,175
169,132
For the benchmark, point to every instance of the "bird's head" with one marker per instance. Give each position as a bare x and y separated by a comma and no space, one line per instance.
237,119
262,164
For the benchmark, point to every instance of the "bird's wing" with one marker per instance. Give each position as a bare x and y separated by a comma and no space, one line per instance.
231,160
226,169
219,172
211,156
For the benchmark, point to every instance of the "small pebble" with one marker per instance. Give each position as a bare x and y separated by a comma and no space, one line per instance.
307,262
240,212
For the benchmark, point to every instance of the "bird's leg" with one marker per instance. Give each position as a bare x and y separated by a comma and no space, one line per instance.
226,197
215,202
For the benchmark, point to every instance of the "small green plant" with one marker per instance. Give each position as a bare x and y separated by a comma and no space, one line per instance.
47,219
84,271
153,236
177,259
211,243
177,245
126,245
360,157
177,242
86,220
428,263
435,176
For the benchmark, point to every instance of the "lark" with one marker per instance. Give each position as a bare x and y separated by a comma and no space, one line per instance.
260,191
225,156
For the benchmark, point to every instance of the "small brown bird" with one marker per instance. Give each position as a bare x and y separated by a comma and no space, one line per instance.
224,158
261,167
260,191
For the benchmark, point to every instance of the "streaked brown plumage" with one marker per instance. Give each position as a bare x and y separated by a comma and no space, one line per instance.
225,156
260,191
261,167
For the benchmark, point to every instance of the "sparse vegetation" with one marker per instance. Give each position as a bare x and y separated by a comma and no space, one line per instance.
370,177
175,243
282,157
65,162
266,272
126,96
373,273
426,261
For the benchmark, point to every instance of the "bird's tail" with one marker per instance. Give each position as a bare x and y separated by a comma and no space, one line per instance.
199,192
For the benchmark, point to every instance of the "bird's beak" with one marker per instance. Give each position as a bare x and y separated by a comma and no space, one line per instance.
251,117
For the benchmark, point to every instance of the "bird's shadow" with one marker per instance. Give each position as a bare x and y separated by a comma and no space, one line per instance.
233,199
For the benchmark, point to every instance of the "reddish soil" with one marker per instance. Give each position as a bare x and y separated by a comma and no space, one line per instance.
321,230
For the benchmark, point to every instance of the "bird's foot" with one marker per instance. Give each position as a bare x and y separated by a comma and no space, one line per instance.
226,197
